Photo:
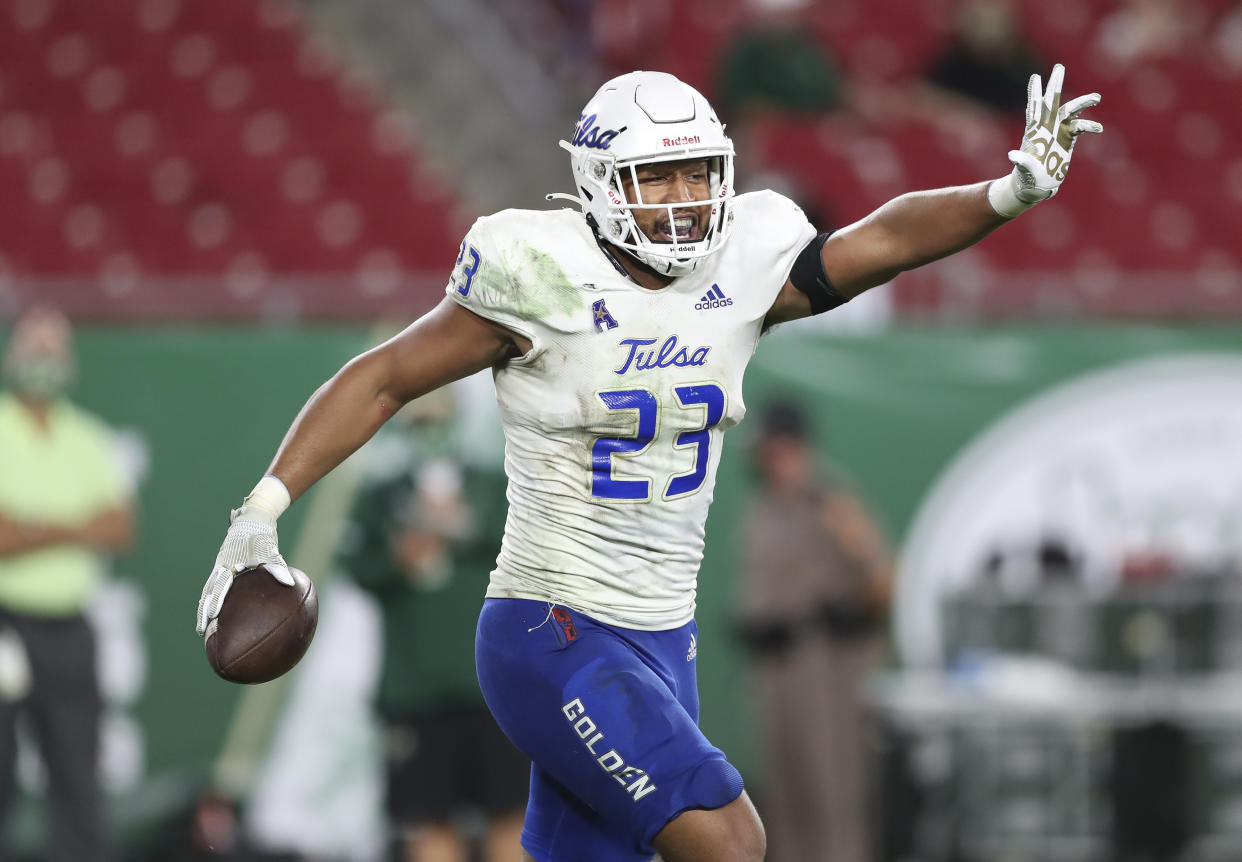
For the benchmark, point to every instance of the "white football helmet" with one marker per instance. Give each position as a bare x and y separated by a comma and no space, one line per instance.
637,119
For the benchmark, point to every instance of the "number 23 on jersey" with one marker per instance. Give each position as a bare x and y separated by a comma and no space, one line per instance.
463,282
705,397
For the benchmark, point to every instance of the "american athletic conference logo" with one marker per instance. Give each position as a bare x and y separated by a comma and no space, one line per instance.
714,298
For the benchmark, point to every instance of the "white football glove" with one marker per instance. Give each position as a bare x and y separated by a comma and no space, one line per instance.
1043,161
250,542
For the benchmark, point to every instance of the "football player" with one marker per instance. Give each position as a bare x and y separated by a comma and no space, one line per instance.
618,333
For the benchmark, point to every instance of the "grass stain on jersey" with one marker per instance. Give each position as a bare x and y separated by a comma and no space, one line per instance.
540,286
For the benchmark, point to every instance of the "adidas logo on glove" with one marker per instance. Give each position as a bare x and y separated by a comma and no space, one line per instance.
714,298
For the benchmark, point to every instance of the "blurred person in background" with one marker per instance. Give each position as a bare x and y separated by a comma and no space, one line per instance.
1137,31
978,75
422,531
986,61
1227,38
618,332
814,593
63,507
777,63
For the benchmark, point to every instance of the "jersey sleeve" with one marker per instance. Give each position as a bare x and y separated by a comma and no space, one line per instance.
774,231
794,232
482,281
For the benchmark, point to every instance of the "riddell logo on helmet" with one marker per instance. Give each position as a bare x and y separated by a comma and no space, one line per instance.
683,141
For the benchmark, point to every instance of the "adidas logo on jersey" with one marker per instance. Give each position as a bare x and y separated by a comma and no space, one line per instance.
714,298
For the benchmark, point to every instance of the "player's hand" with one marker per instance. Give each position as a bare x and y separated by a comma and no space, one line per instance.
1040,166
250,542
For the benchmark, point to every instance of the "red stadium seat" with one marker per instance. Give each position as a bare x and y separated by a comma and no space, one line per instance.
166,136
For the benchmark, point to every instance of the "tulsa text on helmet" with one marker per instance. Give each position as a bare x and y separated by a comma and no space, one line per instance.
587,134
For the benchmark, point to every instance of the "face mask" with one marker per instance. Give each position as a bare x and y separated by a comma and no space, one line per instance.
41,378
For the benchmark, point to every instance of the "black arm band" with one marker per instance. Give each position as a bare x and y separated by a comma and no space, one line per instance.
809,277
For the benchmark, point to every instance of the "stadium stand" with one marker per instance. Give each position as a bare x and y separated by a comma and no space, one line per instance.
1148,224
171,158
188,159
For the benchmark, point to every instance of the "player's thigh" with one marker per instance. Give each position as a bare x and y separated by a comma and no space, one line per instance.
588,710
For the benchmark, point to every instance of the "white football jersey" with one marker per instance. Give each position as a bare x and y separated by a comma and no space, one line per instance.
614,419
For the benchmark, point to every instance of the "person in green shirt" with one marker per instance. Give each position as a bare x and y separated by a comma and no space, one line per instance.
776,64
422,538
63,508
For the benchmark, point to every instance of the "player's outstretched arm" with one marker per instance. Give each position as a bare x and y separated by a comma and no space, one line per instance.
444,345
920,227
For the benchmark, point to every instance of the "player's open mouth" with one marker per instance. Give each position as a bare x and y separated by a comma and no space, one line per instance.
687,225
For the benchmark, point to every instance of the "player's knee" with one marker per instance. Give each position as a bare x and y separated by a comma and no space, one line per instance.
748,842
733,816
732,833
748,834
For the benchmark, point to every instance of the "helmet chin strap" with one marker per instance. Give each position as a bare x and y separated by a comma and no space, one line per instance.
609,248
672,266
647,265
610,251
605,246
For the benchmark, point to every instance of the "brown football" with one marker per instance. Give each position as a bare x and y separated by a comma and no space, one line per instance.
263,628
